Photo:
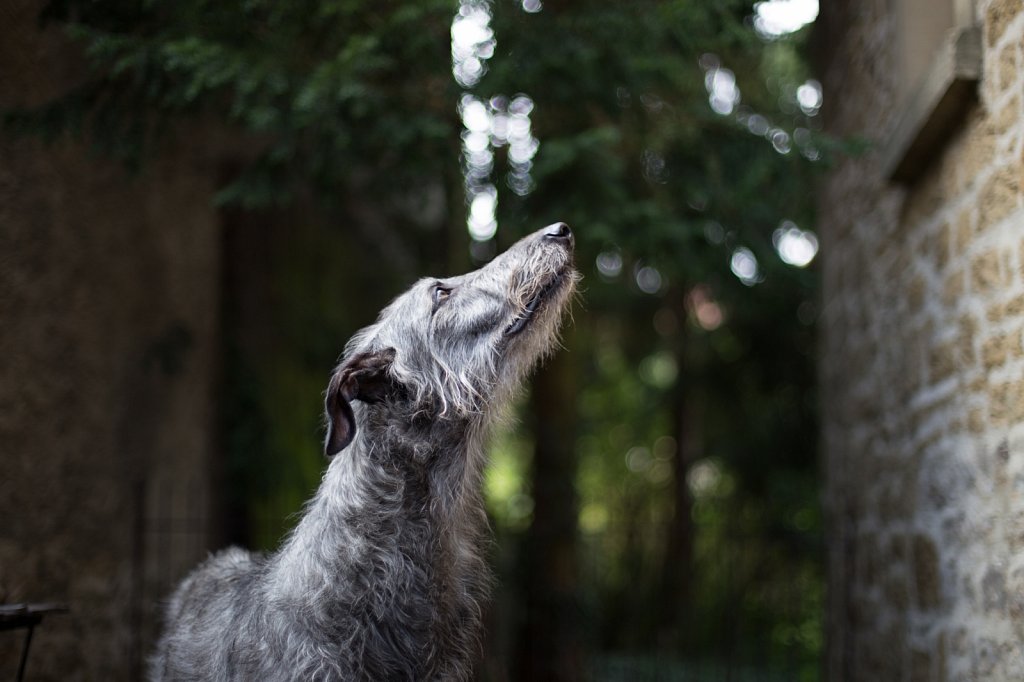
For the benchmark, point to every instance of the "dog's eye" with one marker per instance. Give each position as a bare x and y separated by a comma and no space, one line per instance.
440,295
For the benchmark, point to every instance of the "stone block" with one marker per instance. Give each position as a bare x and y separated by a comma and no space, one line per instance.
1006,402
998,349
986,273
965,340
1015,596
997,198
953,288
987,658
1020,259
1006,67
944,246
942,361
1015,307
978,153
1007,311
964,230
998,16
1007,118
993,590
959,642
976,422
927,576
1015,542
995,313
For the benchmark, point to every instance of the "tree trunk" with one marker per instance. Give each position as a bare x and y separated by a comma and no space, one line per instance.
675,593
550,646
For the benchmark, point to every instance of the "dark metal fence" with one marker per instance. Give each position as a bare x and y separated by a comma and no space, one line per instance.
172,534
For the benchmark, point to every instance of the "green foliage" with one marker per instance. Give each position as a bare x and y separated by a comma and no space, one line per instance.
317,90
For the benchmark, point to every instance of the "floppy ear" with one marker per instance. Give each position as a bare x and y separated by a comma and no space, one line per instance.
364,377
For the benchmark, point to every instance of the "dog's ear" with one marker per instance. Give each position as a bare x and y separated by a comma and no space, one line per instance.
363,377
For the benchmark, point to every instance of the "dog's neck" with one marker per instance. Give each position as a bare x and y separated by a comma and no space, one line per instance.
395,530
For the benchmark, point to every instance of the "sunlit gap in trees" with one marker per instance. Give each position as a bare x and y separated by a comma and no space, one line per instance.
794,247
777,18
772,20
473,42
488,124
724,98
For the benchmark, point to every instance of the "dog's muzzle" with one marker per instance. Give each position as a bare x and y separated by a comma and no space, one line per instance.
562,235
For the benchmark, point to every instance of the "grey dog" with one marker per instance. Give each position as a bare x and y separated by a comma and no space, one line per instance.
384,577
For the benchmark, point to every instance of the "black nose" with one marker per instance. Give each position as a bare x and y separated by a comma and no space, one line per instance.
559,232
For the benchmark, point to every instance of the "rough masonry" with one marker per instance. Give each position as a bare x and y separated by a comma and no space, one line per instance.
922,367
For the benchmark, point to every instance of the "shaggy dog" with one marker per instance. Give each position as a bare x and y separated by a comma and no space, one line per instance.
383,578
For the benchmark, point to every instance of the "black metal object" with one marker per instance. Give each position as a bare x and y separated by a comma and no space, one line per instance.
28,616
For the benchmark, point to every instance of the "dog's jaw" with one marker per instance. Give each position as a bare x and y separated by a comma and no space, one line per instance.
548,291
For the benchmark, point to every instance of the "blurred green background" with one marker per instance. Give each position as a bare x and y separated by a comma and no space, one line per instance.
655,500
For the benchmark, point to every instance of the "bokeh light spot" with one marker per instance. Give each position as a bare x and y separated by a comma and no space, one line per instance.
795,246
744,265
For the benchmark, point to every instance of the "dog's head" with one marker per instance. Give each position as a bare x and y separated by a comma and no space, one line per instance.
458,347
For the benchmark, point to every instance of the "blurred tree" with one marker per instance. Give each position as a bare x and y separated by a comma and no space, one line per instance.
673,482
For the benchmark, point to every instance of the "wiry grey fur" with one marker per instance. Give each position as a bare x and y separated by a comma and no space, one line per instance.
383,578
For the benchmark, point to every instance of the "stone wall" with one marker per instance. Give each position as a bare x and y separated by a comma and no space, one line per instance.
109,339
922,368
